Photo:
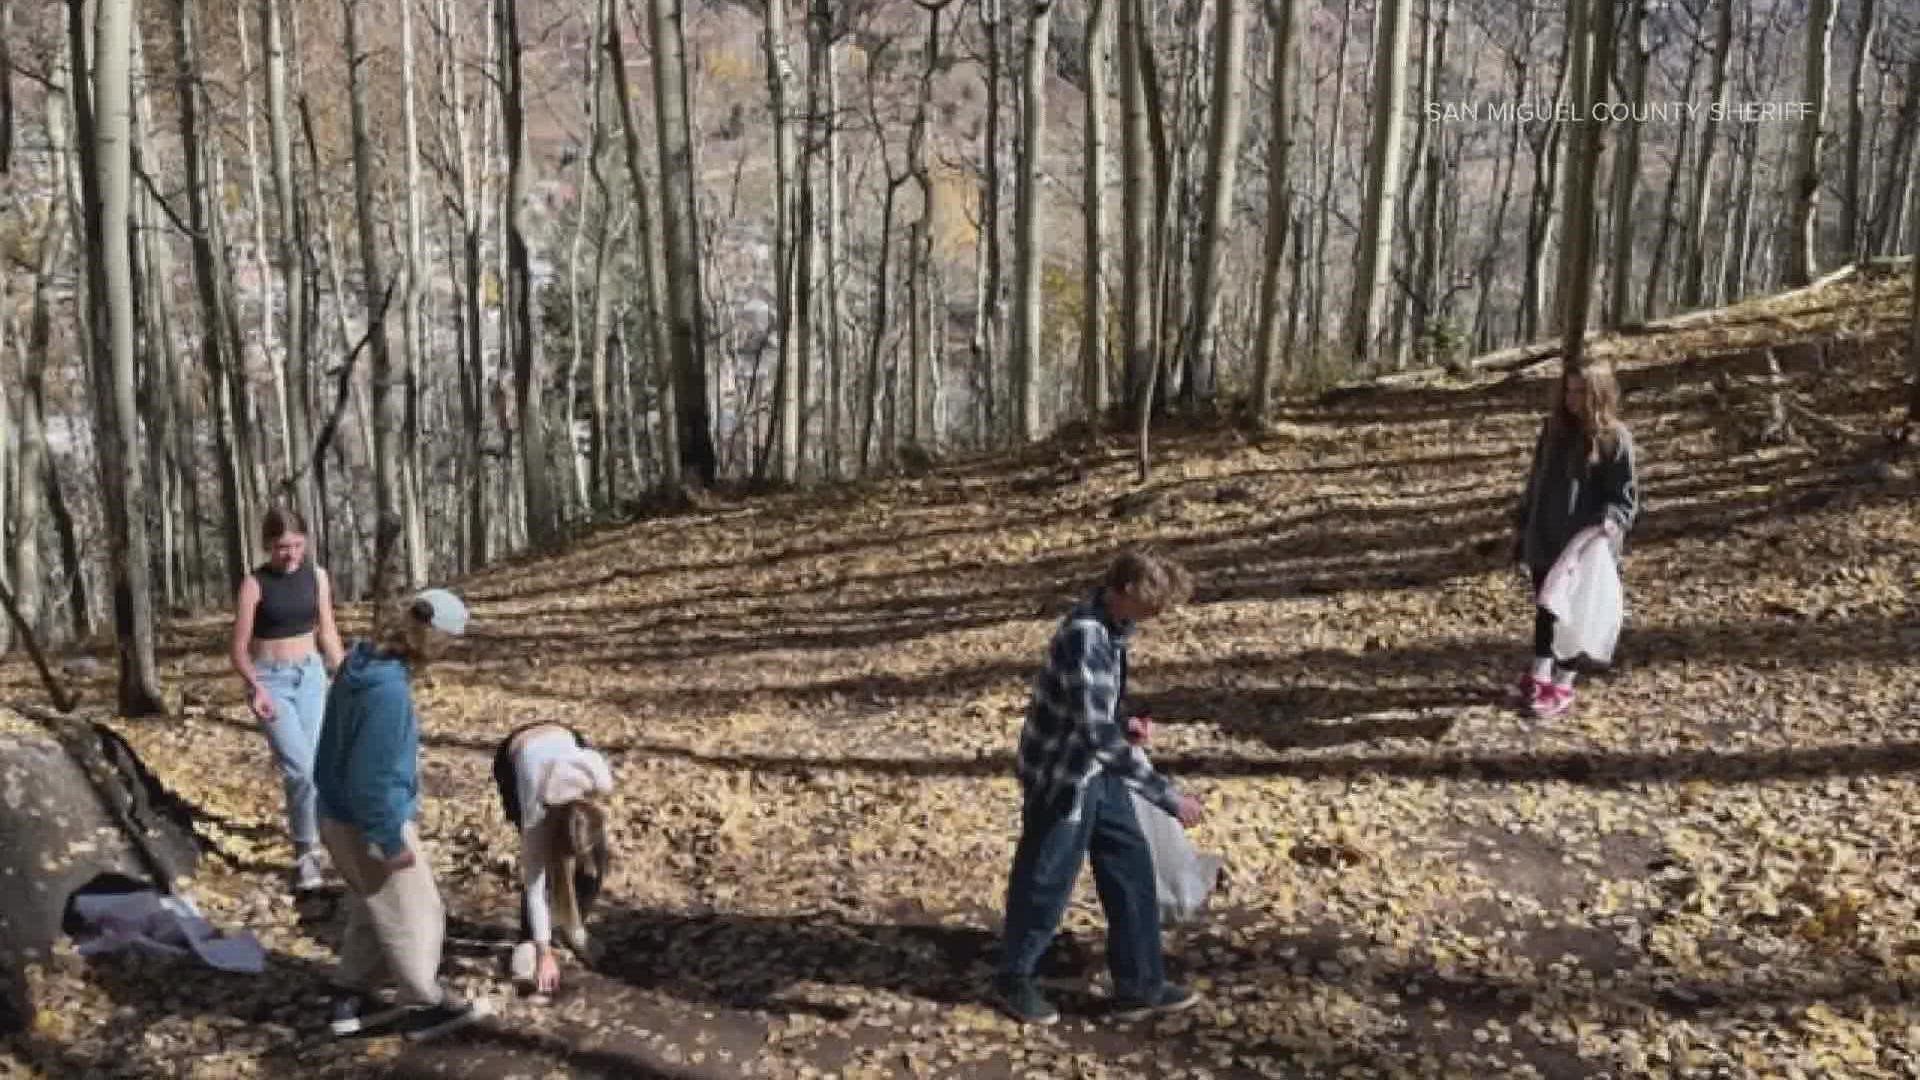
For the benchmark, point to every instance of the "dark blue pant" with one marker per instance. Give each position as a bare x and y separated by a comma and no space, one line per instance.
1047,861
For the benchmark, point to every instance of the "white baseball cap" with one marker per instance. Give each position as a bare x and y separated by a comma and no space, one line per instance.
441,610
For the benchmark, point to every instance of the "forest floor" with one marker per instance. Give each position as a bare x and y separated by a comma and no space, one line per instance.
1709,868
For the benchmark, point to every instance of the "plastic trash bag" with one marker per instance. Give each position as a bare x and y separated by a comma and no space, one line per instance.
1183,877
1583,592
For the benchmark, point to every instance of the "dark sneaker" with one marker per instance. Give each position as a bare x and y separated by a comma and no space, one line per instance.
1023,1001
432,1021
1170,999
354,1013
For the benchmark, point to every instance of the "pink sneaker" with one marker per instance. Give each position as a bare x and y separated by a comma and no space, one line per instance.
1550,699
1528,688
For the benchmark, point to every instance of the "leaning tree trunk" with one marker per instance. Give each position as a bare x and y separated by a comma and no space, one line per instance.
1803,223
1097,398
674,134
1227,110
1383,179
1026,244
104,131
388,524
1285,15
922,426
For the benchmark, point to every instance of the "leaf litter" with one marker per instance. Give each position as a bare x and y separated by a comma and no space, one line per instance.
1707,869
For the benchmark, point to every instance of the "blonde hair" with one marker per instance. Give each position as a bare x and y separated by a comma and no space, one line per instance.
1156,581
1599,418
579,861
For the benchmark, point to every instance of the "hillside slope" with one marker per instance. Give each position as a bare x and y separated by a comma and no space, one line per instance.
1710,867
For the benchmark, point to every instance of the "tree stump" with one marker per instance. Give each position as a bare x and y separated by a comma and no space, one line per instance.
76,803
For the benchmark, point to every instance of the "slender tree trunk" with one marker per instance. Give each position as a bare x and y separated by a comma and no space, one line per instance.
1324,208
389,525
779,86
1803,223
1285,15
104,131
1227,118
921,424
1670,202
35,475
299,409
1029,327
261,263
1426,233
1383,179
1137,199
6,87
654,317
528,367
600,459
413,343
1694,293
1626,174
985,344
674,134
1592,67
206,275
1852,216
882,288
1734,271
1913,304
1886,216
1093,334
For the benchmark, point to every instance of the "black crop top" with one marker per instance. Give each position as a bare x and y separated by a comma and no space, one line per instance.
289,603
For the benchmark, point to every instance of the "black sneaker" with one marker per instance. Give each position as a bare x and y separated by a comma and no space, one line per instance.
353,1013
1022,1000
1170,999
432,1021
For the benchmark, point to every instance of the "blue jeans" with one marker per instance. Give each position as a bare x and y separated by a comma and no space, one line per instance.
299,692
1047,861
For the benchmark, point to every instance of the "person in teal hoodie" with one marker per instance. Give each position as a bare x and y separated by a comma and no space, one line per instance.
365,773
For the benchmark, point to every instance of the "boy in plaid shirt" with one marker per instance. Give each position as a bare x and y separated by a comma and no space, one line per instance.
1076,763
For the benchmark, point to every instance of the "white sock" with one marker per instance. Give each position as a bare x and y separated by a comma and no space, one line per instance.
1543,668
1563,678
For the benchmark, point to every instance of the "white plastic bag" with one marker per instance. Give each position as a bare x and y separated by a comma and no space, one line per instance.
1583,593
1182,876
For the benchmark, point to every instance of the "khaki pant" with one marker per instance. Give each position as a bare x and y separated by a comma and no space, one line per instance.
395,922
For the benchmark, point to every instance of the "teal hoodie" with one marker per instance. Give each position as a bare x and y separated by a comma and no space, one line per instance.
365,767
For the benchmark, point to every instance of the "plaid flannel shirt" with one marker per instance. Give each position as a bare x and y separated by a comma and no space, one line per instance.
1071,732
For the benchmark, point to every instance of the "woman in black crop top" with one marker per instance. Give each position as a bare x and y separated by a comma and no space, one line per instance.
285,645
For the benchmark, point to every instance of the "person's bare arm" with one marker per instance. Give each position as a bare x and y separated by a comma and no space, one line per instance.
239,649
329,632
